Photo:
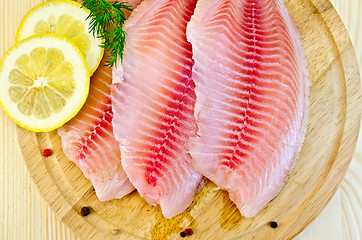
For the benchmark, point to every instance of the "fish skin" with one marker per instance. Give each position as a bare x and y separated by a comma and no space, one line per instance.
88,140
153,100
252,92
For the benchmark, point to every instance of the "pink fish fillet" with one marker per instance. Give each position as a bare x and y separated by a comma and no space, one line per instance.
153,101
132,3
252,97
88,140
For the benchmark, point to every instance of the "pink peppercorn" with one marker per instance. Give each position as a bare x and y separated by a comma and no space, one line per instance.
189,231
47,152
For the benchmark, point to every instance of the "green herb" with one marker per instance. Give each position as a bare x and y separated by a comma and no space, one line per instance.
106,19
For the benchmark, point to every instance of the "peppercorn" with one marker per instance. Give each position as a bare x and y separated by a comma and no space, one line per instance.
47,152
189,231
183,234
84,211
273,224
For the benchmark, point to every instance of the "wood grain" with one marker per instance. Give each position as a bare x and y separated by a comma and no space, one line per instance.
29,222
329,144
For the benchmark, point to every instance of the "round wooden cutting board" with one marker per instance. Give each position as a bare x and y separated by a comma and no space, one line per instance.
335,101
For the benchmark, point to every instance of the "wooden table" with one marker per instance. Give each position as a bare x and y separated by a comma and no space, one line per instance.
25,215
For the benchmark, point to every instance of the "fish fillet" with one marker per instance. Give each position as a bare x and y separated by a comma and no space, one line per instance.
252,97
153,101
88,140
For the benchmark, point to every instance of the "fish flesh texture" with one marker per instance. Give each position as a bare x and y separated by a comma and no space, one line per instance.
88,140
132,3
153,102
252,91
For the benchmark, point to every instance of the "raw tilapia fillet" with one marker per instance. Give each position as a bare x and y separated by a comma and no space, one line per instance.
252,92
153,101
88,140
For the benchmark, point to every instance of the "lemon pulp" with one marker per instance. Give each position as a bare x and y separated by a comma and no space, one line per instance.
41,81
68,27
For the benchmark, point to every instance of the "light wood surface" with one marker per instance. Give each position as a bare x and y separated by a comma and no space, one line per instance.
24,215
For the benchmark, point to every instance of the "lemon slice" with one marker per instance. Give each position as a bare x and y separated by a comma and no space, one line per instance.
44,82
65,18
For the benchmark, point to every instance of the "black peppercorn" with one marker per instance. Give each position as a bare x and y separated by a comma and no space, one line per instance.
273,224
84,211
182,234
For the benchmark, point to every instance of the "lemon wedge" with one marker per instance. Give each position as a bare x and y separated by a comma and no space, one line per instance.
65,18
44,82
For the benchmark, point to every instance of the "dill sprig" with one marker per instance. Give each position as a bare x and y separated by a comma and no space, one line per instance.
106,19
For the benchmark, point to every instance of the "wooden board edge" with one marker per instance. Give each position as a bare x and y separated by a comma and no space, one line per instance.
353,106
53,198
